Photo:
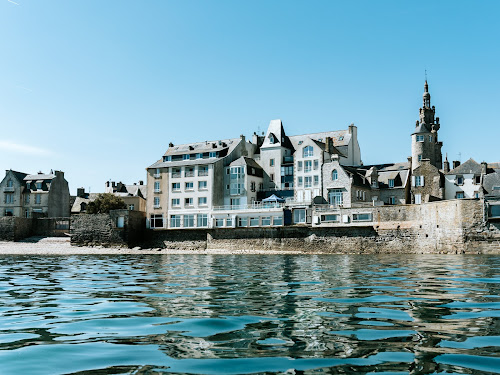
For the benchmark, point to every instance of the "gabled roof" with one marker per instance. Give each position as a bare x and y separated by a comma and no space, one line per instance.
357,175
276,132
469,167
244,160
339,138
18,175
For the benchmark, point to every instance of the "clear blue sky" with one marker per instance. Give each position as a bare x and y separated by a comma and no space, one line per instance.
99,88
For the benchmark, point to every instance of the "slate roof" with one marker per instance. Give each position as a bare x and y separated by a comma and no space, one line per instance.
335,135
18,175
469,167
276,129
244,160
358,177
39,176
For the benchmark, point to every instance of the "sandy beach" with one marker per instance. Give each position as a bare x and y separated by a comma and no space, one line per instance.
62,246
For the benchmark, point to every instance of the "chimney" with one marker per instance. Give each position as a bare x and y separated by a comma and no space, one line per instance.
170,144
456,163
80,192
351,128
141,182
242,138
328,141
446,166
59,174
113,184
484,167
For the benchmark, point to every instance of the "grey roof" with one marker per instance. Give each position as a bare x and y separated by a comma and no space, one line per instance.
244,160
39,176
276,130
490,181
202,147
470,166
76,207
421,128
18,175
335,135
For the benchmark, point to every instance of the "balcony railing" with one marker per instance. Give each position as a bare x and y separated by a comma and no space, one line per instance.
254,206
157,175
8,189
176,174
202,173
189,173
157,190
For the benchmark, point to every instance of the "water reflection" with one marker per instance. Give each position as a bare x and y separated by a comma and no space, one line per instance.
249,314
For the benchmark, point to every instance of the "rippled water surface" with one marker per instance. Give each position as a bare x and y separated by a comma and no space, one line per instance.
204,314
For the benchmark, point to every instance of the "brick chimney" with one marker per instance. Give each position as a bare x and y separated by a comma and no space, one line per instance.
328,143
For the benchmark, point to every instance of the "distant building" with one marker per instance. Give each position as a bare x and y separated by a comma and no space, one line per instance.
34,195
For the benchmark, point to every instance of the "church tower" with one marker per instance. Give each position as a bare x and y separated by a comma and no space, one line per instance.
424,139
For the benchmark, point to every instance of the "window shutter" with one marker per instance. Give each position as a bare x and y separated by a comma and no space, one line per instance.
412,180
422,180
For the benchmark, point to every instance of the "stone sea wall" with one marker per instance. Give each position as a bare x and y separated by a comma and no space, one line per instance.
15,228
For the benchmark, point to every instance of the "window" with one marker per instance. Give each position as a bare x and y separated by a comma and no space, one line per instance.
391,183
419,157
203,170
308,181
202,185
156,221
261,186
157,187
335,197
202,201
430,138
330,218
199,156
418,198
229,222
299,181
9,198
362,217
236,188
202,220
299,216
316,164
307,152
459,195
188,221
307,166
176,173
272,177
176,202
188,202
278,220
299,165
242,221
131,207
271,162
266,221
212,154
252,186
235,201
219,222
38,198
316,180
189,186
419,180
38,185
185,157
341,138
477,180
476,194
176,186
335,175
254,221
27,199
175,221
156,202
28,185
10,183
460,180
189,172
391,200
420,138
26,213
167,158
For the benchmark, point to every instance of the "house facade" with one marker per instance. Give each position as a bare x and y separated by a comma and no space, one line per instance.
34,195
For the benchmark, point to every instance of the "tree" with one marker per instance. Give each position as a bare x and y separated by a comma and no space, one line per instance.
104,203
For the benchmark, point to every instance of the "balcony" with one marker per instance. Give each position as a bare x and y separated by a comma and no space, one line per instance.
254,206
287,159
8,189
202,173
176,174
189,173
157,191
157,175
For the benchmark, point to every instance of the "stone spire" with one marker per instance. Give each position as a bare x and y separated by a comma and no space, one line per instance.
426,97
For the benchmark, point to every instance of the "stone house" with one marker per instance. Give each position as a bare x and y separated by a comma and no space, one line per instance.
133,195
34,195
427,183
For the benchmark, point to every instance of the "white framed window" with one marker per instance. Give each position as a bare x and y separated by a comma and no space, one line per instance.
10,183
299,183
167,158
157,187
460,195
335,175
266,221
316,180
156,202
254,221
27,199
333,218
460,180
299,165
418,180
278,220
420,138
176,172
202,220
9,198
185,157
202,201
189,172
391,183
271,162
156,221
38,185
199,156
188,202
212,154
219,223
229,222
419,157
202,185
430,138
176,202
316,164
203,170
307,166
235,201
176,186
38,198
307,152
362,217
131,207
175,221
189,186
188,221
308,181
243,221
418,198
335,197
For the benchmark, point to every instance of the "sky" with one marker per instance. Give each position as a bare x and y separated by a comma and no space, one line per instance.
98,88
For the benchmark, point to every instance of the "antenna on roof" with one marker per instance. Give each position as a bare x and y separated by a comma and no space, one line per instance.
426,74
460,157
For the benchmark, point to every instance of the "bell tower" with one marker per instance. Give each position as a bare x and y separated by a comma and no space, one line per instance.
424,139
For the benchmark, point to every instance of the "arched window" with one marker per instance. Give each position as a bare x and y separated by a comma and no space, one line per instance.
335,175
307,152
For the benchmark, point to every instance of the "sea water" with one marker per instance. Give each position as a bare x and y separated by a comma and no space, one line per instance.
244,314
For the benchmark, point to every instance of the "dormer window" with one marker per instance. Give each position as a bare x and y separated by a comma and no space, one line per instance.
460,180
391,183
212,154
38,185
335,175
185,157
341,138
10,183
